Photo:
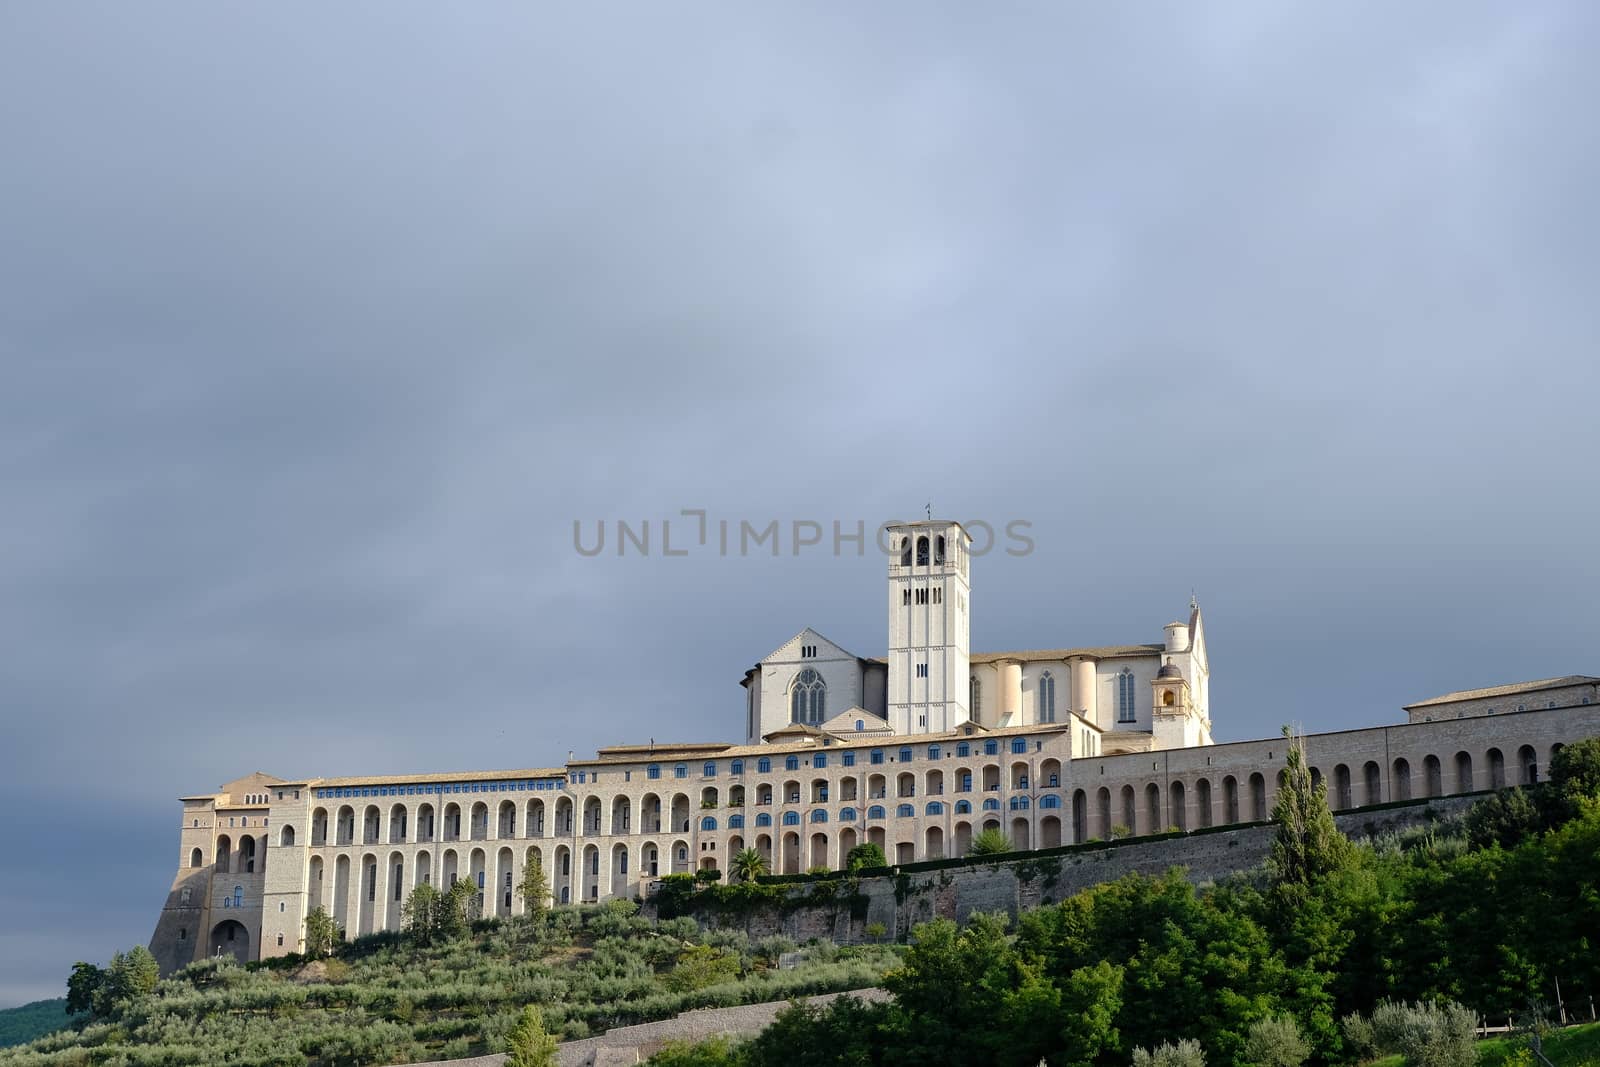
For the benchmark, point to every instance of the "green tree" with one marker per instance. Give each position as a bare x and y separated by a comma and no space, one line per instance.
130,976
535,891
717,1051
322,934
458,907
83,987
699,967
1575,773
1504,818
867,854
846,1033
422,914
990,842
748,865
1308,845
528,1044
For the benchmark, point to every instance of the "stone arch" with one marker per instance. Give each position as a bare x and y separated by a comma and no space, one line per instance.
1177,808
196,858
422,869
533,818
319,827
1103,804
1020,836
505,880
1373,774
480,821
1050,774
451,830
369,825
1152,809
1400,776
345,826
933,843
650,813
230,938
1497,769
680,813
561,875
619,871
1080,817
1130,810
286,837
224,854
368,904
790,857
506,820
591,818
1258,797
399,824
819,851
395,872
425,820
341,893
1049,831
963,838
1464,772
1341,788
563,823
1527,766
1202,802
622,815
1432,776
680,855
314,883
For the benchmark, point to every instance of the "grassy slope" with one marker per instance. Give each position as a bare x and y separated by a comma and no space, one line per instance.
387,1001
21,1025
1576,1046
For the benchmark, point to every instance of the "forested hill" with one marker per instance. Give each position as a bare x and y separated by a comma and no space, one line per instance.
21,1025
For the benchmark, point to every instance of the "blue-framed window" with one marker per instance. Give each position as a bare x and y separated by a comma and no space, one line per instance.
934,808
820,760
736,822
791,763
791,818
963,750
1047,697
708,823
1125,708
1019,803
905,811
1051,801
819,816
905,755
709,770
737,767
763,819
652,771
991,747
1019,745
991,804
861,726
963,807
849,759
680,771
876,757
847,814
875,812
964,783
933,751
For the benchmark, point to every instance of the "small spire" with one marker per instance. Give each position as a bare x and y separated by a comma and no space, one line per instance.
929,508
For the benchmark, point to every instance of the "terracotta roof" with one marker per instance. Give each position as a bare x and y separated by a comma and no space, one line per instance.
454,776
1506,690
812,744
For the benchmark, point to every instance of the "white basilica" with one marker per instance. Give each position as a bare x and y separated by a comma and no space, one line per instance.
930,682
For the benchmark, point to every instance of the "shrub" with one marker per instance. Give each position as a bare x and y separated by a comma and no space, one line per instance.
1358,1034
1426,1035
990,842
1276,1042
1183,1054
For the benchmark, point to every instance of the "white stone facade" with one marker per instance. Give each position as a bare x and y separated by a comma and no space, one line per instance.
1051,747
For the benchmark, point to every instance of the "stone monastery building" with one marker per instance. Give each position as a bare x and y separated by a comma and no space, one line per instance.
917,752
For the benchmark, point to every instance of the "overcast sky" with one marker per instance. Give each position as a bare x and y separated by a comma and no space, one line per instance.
320,325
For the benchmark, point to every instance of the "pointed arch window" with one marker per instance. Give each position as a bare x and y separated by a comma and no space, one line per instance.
1125,712
808,698
1047,697
974,698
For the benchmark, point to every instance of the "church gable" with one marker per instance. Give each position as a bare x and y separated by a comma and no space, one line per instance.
844,723
806,645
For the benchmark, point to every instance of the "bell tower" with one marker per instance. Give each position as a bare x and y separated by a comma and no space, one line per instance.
930,674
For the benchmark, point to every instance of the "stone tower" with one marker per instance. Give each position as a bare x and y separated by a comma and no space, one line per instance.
929,627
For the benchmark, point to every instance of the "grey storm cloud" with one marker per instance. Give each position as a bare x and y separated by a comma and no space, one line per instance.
319,327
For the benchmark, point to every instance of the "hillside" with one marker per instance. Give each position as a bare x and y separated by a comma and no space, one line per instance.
386,999
21,1025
